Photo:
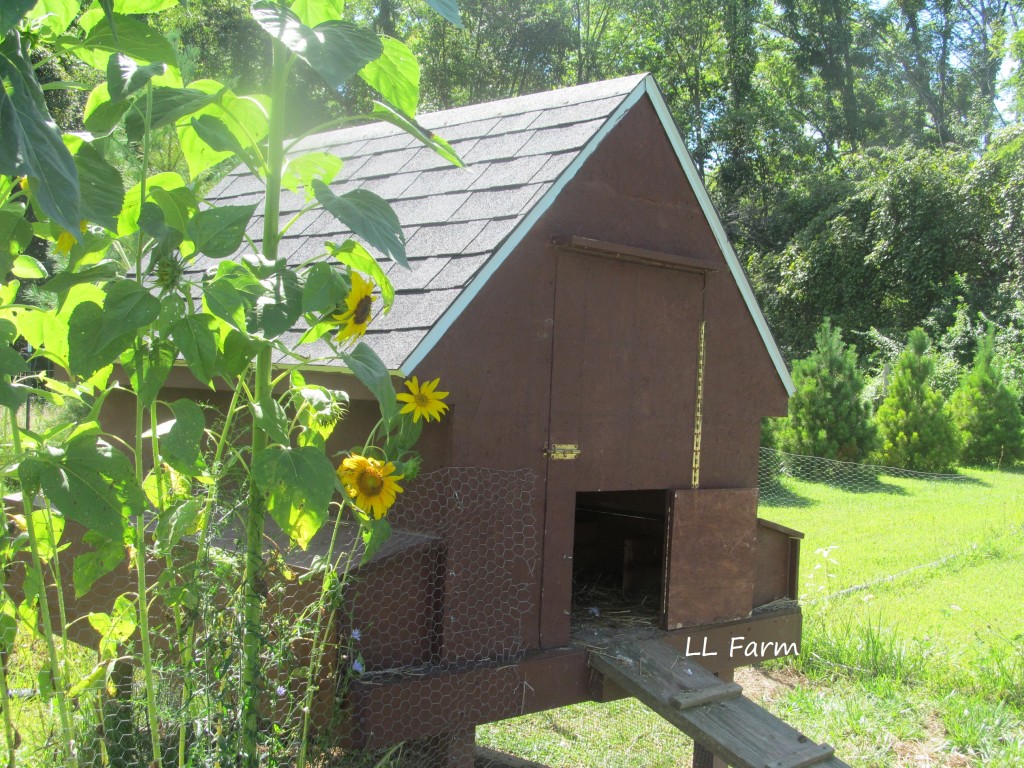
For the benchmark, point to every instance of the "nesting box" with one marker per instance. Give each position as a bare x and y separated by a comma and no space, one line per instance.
575,291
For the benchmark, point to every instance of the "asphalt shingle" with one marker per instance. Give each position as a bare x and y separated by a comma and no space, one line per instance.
453,219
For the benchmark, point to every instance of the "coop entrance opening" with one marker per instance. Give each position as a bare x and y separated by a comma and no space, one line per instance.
618,558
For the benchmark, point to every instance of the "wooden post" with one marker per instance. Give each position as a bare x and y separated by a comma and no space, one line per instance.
702,756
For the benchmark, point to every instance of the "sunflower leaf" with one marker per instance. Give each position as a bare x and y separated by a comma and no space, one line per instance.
371,371
299,484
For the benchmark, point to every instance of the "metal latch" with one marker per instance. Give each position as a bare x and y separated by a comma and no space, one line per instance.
562,451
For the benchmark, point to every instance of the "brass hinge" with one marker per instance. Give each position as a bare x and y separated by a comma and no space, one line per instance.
562,451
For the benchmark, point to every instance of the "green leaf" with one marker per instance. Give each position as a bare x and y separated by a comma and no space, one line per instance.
27,268
395,75
326,288
180,446
91,566
115,628
299,484
240,350
125,76
101,115
88,354
336,50
389,114
354,255
169,106
371,371
178,206
344,50
134,38
375,533
11,12
218,232
223,299
302,170
246,117
313,12
281,306
158,360
11,361
94,681
43,329
15,234
89,483
63,282
367,215
30,142
8,623
144,6
269,416
216,134
101,187
180,521
53,17
98,335
48,528
128,221
196,337
449,10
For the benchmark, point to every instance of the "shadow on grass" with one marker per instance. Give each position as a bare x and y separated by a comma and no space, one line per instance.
774,494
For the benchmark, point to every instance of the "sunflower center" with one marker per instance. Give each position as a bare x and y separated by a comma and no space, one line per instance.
422,400
361,315
370,481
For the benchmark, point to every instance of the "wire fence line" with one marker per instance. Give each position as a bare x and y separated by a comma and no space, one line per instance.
844,514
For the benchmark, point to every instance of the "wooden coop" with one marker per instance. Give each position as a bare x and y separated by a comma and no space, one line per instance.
592,494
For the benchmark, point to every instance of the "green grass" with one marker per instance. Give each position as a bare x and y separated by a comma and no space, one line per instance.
926,668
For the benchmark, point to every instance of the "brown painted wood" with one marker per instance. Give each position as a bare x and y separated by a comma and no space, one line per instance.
645,256
710,562
772,569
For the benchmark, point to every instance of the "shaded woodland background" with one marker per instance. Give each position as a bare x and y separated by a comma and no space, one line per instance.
867,157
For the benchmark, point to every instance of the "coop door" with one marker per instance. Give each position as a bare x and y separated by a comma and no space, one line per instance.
623,384
710,559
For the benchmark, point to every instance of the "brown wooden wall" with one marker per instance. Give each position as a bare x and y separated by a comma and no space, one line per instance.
563,347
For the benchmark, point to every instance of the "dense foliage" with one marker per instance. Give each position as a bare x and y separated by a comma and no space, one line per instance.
914,426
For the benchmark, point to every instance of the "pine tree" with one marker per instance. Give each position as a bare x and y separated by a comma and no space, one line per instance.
986,411
915,427
828,416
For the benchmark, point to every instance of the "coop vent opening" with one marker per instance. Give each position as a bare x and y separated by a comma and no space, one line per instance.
618,558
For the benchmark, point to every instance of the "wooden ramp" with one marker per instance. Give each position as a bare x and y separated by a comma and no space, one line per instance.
712,713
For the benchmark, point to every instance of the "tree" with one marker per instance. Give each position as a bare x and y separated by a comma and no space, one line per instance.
914,425
986,411
828,416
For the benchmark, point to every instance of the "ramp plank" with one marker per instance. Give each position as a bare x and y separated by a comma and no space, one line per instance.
712,713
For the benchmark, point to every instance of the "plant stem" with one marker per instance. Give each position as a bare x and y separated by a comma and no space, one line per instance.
44,609
252,642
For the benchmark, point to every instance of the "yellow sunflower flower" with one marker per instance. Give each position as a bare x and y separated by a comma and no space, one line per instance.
358,308
370,483
423,400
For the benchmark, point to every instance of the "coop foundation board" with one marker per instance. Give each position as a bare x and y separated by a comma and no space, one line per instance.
386,706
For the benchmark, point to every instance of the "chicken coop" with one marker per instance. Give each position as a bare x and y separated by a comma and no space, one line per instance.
589,504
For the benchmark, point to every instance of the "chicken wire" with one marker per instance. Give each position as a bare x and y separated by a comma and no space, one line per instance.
449,591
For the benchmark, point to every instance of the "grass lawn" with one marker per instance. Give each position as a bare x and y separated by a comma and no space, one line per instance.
925,669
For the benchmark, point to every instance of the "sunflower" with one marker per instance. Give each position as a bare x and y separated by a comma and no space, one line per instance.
358,308
370,483
423,400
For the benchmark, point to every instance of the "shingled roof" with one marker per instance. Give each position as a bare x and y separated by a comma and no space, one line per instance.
461,223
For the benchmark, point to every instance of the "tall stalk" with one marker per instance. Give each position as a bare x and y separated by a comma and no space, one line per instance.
140,524
252,642
44,608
